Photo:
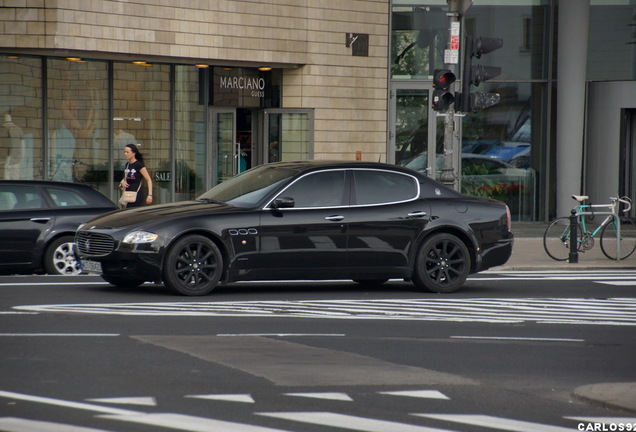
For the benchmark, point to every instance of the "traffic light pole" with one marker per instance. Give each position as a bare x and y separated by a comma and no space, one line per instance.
448,176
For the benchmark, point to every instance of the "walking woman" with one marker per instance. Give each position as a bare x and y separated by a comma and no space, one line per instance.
133,173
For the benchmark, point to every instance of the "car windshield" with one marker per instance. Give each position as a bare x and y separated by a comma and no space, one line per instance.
249,188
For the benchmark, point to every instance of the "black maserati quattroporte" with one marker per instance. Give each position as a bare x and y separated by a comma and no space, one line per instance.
363,221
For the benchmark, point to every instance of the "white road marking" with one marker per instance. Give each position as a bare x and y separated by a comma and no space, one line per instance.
67,404
14,424
427,394
323,395
145,401
343,421
530,339
243,398
189,423
607,420
609,311
496,422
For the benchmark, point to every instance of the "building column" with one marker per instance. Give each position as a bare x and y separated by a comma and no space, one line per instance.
570,111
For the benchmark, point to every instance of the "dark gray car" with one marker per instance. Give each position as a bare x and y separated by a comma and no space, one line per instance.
38,220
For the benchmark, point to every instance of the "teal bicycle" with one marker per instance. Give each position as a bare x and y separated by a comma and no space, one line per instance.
617,233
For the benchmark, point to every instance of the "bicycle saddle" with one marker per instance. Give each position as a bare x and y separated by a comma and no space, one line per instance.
580,198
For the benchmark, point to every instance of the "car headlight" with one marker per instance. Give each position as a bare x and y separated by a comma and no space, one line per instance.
137,237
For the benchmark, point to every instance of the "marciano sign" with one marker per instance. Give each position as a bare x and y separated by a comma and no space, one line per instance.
239,87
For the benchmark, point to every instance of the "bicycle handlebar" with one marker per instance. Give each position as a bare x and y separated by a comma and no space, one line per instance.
628,203
625,200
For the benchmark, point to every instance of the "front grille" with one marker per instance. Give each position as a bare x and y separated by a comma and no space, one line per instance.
94,244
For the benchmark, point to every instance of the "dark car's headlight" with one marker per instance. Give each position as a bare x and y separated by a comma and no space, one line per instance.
137,237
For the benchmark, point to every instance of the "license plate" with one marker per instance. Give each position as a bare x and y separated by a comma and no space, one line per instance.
91,266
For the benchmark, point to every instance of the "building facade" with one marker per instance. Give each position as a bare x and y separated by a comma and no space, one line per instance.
209,88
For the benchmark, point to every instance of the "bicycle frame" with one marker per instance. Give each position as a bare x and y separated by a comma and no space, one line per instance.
612,214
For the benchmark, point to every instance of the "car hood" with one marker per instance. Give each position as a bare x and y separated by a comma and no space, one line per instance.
144,215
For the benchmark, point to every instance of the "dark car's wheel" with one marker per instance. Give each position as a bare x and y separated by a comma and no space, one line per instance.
122,282
59,257
442,264
193,266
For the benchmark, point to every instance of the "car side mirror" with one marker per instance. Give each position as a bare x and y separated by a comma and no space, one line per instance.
283,202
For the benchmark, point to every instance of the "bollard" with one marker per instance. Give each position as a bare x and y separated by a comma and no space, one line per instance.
574,241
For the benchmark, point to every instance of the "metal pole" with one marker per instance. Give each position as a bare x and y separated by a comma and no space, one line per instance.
447,175
574,241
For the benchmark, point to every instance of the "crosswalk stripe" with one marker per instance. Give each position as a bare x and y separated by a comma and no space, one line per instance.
146,401
243,398
14,424
323,395
343,421
495,422
427,394
610,311
189,423
608,420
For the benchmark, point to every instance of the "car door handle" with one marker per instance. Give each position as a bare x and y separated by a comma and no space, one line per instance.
417,214
40,219
335,218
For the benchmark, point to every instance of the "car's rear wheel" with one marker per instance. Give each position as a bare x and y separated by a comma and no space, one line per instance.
442,264
122,282
193,266
59,257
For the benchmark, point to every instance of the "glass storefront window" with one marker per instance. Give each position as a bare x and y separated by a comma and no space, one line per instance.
523,25
500,150
289,136
418,39
77,122
190,134
21,151
141,115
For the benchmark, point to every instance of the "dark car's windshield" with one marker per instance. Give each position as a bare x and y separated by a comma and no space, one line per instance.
249,188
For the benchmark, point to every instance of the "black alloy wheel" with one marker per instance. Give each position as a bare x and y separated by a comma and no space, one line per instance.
442,264
193,266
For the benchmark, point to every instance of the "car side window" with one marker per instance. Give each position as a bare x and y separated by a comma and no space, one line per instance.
66,198
379,187
20,197
324,189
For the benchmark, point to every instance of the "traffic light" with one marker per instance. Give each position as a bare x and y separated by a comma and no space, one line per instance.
476,74
443,98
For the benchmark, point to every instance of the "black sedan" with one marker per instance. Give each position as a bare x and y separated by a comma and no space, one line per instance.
314,220
38,220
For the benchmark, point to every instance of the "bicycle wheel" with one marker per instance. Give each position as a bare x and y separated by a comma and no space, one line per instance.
556,239
628,239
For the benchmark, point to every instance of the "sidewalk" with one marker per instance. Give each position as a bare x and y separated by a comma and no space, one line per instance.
528,254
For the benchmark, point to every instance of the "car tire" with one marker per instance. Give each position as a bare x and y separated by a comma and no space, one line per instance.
193,266
442,264
60,259
122,282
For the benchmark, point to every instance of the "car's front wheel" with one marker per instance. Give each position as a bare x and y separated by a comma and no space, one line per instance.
442,264
59,257
193,266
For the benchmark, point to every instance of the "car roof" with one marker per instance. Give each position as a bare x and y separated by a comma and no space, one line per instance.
308,165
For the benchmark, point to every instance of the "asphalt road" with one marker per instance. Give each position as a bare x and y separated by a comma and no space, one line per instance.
505,353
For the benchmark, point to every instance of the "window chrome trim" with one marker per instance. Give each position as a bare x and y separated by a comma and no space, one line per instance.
415,179
412,177
281,193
